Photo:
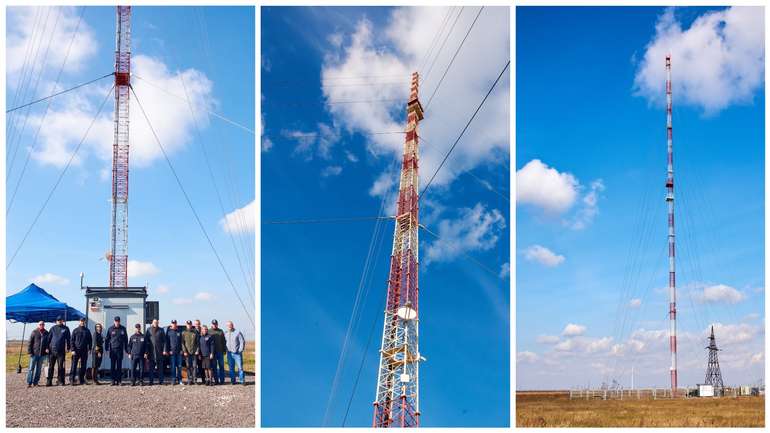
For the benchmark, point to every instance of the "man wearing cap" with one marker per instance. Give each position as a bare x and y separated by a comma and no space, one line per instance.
36,349
235,345
137,353
156,350
58,346
190,352
116,343
81,345
174,352
220,347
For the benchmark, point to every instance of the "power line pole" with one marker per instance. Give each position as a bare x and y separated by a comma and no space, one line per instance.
397,402
671,237
118,255
713,373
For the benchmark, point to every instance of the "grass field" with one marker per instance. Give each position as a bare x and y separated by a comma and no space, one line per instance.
555,409
12,348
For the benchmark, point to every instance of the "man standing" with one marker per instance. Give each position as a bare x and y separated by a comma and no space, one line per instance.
98,353
190,352
116,343
58,346
235,345
137,353
218,362
156,350
174,351
199,369
36,349
81,345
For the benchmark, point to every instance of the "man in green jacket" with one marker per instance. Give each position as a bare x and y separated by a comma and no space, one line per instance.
220,347
190,351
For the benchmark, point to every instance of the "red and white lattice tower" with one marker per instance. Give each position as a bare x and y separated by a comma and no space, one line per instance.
671,237
397,402
118,255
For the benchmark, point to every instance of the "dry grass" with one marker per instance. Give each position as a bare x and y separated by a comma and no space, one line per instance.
12,357
555,409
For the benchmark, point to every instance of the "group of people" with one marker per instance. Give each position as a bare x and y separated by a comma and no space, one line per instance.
201,348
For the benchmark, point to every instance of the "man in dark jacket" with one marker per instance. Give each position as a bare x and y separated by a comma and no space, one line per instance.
58,346
137,353
81,345
174,351
97,353
36,349
190,352
156,350
220,347
116,343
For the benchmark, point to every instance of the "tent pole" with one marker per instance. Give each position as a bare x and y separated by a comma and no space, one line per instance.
21,348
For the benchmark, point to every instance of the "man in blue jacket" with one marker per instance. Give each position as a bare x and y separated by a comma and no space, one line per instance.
174,351
81,345
116,344
58,346
137,352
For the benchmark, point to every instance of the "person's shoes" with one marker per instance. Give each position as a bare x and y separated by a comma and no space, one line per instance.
29,385
133,383
73,383
114,384
243,383
232,382
142,384
173,383
48,383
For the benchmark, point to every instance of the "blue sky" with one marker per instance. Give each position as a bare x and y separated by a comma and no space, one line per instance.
206,53
591,220
321,159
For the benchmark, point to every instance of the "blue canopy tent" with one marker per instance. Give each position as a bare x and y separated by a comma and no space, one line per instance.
34,304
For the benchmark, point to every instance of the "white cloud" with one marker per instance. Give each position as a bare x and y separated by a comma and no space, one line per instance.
240,220
351,156
267,144
70,116
547,339
332,170
589,206
635,303
542,255
138,269
526,356
720,293
162,289
398,48
505,270
716,62
49,278
181,301
475,229
543,186
57,30
204,296
573,330
310,144
732,333
758,358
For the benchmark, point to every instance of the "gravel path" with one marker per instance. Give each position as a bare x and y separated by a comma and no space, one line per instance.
109,406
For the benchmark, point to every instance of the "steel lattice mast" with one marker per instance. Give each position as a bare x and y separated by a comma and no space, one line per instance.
118,254
671,237
713,373
397,402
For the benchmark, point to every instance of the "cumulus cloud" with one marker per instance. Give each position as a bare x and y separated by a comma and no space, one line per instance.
331,170
203,296
545,187
589,206
49,278
716,62
311,144
505,270
137,269
719,293
584,345
547,339
240,220
397,48
727,334
572,330
475,229
526,356
542,255
267,144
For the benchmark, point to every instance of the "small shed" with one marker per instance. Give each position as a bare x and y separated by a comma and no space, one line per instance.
705,390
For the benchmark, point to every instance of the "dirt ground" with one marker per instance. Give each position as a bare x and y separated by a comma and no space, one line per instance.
542,409
126,406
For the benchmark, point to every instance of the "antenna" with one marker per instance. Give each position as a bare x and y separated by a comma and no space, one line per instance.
671,237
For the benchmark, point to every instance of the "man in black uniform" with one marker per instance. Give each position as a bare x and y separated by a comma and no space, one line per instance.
98,353
116,343
156,350
137,353
58,346
81,345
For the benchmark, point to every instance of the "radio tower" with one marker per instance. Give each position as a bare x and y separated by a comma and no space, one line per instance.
397,402
671,238
118,255
713,373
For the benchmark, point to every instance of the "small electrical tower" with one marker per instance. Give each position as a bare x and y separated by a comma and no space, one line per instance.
713,373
